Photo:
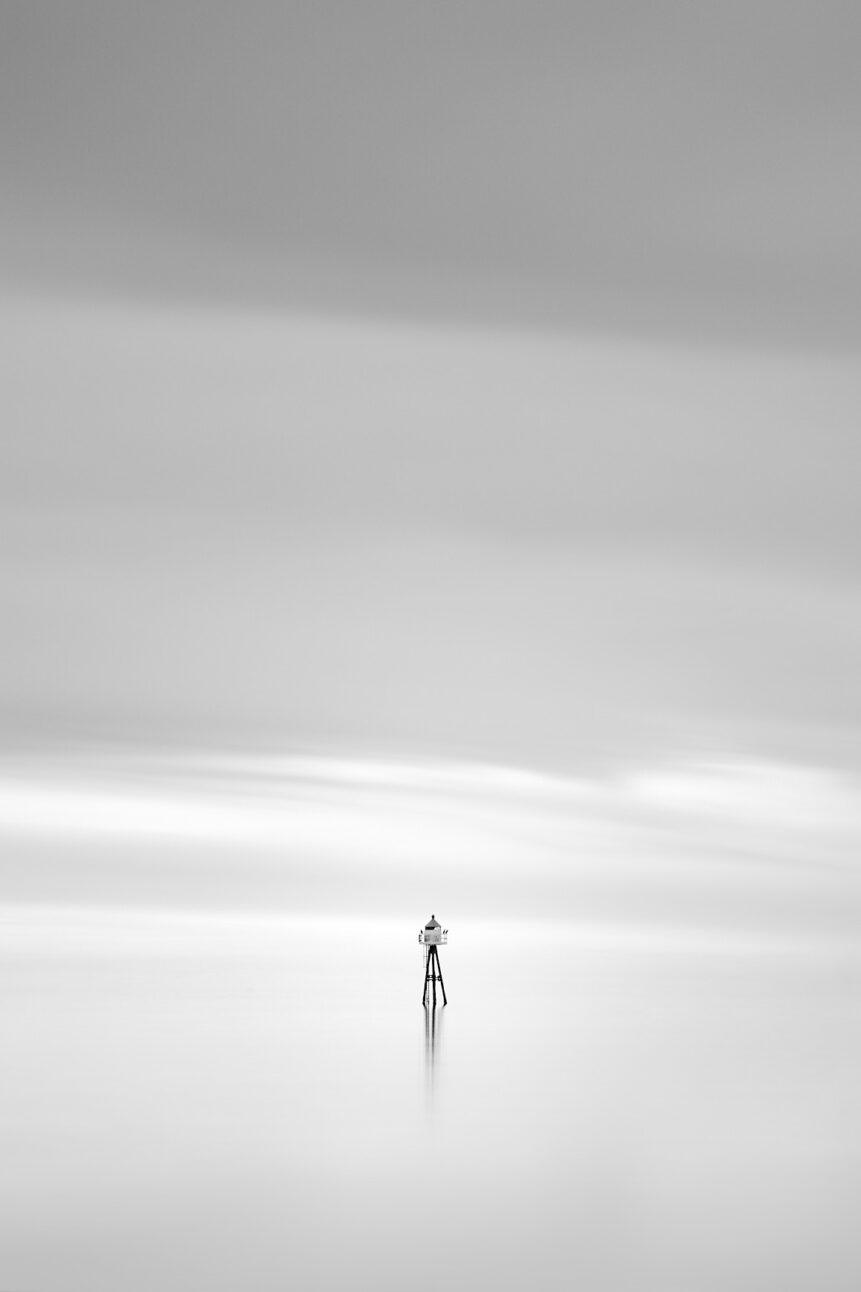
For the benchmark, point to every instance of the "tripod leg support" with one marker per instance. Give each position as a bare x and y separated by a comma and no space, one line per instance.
433,975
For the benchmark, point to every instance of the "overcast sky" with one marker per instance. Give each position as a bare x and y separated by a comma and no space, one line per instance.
471,382
673,166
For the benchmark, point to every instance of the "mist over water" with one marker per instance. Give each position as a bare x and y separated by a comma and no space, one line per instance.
215,1101
218,1070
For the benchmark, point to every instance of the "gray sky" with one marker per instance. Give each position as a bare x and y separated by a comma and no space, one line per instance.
519,546
476,380
673,167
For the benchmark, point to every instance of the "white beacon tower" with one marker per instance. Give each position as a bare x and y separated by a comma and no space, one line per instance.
433,935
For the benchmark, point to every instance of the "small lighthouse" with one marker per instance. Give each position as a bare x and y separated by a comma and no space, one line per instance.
433,935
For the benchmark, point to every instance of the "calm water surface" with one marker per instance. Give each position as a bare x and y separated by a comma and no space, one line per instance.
194,1103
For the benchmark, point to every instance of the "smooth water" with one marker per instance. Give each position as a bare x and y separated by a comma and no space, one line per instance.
194,1103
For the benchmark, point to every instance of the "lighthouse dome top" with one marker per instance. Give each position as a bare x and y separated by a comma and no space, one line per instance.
433,923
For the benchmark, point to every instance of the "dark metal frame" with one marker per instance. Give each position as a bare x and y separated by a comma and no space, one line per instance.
433,975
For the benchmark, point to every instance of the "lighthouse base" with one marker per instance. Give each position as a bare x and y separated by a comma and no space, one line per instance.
433,975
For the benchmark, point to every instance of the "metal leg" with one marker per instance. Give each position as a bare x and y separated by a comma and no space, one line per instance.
441,983
433,975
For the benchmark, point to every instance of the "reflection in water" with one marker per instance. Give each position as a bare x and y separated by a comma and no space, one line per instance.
433,1044
697,1111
